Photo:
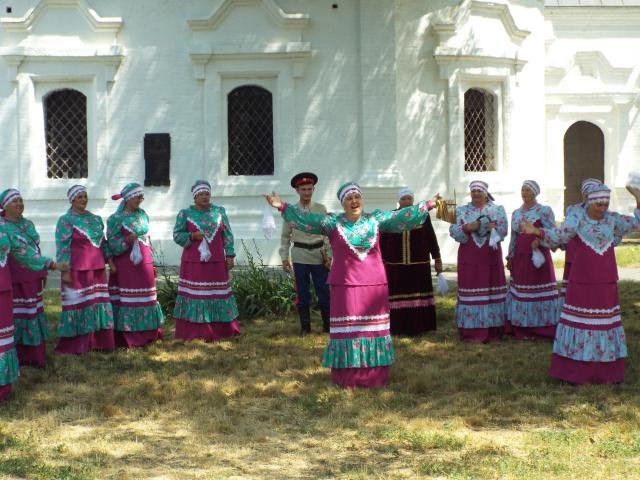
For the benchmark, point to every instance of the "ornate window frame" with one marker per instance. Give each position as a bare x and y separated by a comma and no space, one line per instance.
36,69
272,64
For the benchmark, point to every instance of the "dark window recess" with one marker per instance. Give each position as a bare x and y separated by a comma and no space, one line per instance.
157,153
250,131
65,131
479,131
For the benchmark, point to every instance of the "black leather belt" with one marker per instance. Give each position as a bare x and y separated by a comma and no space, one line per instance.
308,246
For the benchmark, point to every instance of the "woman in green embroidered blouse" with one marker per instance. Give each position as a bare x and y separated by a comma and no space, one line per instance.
31,326
86,320
360,349
137,314
9,370
205,307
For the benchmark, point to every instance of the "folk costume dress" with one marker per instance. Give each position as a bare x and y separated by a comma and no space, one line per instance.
360,350
572,214
9,368
532,302
138,316
205,306
482,287
590,344
86,321
407,261
30,321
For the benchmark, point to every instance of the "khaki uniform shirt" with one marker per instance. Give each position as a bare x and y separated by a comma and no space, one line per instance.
303,255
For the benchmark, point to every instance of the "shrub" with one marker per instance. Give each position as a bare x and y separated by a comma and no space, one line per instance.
167,282
260,290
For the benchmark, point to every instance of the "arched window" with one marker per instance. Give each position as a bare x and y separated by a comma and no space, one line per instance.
65,129
250,131
583,158
479,131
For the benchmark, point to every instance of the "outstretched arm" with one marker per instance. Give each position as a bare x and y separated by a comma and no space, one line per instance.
303,220
397,221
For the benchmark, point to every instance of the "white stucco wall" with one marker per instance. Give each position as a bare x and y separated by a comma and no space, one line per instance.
592,75
371,90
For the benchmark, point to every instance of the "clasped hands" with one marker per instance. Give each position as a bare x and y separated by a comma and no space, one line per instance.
475,226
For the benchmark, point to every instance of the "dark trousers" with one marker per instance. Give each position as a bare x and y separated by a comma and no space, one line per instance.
319,274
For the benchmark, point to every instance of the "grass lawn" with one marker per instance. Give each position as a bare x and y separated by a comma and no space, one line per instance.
262,407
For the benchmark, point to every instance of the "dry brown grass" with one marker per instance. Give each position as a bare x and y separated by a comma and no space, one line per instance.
261,407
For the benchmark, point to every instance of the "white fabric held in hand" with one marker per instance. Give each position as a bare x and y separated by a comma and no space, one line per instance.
537,258
268,222
442,287
205,253
136,253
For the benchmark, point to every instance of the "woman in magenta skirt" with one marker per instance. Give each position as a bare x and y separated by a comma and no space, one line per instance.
572,213
205,307
138,316
9,369
86,321
360,349
590,344
30,321
532,302
482,285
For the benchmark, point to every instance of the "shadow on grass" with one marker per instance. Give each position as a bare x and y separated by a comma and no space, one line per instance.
264,400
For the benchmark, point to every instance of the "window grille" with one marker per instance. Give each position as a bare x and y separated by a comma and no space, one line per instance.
250,131
479,131
65,126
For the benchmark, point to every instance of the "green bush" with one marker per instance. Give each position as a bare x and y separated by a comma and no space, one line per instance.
167,282
260,290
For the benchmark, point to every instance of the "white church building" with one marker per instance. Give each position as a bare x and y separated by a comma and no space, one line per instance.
246,93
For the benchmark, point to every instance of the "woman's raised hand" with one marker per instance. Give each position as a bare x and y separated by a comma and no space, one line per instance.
635,191
273,200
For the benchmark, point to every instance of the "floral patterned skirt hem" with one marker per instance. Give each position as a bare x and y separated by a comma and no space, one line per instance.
137,339
9,367
101,340
139,319
359,352
590,343
209,332
93,318
33,355
480,316
578,372
32,331
206,311
541,313
371,377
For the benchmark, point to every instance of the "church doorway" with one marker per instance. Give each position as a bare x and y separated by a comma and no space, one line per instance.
583,158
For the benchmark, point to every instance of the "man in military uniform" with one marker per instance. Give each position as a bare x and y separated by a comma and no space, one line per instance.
310,256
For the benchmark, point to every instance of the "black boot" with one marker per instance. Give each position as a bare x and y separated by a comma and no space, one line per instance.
305,320
324,311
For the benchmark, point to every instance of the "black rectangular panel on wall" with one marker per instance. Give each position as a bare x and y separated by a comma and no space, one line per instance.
157,153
